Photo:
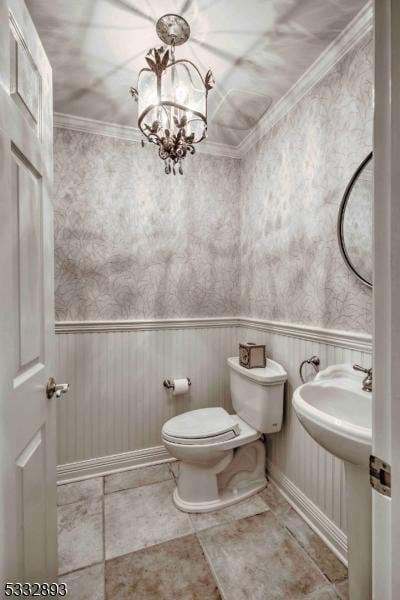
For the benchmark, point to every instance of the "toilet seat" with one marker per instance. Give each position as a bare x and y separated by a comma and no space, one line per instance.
202,426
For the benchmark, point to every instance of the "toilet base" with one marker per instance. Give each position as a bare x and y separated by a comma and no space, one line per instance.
227,497
234,475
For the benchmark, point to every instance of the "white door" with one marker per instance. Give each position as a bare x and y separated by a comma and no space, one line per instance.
386,442
27,417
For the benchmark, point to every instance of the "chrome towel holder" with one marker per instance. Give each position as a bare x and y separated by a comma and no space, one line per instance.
169,383
314,361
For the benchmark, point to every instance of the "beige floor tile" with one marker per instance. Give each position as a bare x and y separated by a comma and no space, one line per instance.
275,500
331,566
310,541
80,534
327,593
251,506
175,570
343,590
136,478
142,517
79,490
86,584
257,558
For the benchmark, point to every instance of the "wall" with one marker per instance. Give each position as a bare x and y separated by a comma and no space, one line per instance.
292,182
133,243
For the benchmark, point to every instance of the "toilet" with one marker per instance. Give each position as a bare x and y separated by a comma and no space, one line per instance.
222,456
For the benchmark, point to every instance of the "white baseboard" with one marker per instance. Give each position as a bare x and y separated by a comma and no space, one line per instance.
331,534
104,465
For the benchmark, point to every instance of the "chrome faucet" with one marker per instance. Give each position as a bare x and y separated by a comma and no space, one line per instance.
367,381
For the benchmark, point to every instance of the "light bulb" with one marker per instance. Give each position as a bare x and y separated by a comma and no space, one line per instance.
180,94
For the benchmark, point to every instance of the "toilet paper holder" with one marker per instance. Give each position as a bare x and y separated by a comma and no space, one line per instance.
169,383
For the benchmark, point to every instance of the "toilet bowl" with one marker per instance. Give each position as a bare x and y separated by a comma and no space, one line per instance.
222,457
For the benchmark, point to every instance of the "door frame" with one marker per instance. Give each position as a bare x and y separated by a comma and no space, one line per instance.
386,296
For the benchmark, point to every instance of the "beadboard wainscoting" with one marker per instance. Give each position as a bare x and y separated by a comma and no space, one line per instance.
117,402
310,478
112,417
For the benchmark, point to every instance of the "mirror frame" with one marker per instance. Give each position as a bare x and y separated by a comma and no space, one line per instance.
340,222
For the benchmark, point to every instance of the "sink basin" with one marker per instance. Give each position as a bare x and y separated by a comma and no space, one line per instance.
337,413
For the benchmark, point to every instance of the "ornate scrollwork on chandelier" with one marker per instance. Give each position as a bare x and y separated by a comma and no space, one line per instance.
172,97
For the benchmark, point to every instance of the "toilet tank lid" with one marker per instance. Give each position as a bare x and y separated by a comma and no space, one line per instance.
272,373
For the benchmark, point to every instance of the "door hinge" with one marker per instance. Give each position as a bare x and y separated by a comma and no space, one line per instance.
380,476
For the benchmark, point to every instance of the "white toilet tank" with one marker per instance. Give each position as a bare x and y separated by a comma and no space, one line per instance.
257,394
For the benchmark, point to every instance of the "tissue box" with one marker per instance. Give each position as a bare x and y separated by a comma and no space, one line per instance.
252,355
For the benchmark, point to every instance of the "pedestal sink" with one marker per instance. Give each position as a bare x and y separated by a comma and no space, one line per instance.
337,413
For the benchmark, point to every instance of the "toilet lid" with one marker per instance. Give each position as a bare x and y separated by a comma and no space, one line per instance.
202,424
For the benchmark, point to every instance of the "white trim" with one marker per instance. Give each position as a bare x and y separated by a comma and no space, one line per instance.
143,325
86,125
330,533
124,132
344,339
345,41
333,337
104,465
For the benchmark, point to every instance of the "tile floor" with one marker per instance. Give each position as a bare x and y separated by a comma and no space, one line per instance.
121,537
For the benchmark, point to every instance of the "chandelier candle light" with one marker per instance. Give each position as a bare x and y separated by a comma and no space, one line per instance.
172,96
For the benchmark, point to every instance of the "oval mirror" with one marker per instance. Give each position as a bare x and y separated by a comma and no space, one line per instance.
355,222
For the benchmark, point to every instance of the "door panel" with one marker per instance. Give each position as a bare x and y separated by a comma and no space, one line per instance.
31,490
27,200
27,417
25,82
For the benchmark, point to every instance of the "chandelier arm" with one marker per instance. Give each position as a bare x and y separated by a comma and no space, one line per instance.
185,60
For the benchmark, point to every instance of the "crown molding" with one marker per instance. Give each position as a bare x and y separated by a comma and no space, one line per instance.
345,41
133,134
85,125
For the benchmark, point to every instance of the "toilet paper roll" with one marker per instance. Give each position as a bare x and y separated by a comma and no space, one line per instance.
181,386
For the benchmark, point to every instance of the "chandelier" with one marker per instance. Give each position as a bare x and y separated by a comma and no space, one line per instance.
172,96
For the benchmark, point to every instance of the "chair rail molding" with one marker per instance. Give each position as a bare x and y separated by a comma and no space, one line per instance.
345,339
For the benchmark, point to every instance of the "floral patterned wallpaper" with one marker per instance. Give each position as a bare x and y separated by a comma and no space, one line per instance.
133,243
292,183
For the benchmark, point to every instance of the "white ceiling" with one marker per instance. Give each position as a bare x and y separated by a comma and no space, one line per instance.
257,49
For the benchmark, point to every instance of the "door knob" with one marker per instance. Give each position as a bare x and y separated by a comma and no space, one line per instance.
56,388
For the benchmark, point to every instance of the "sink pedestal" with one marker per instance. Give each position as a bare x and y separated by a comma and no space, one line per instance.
337,412
358,506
